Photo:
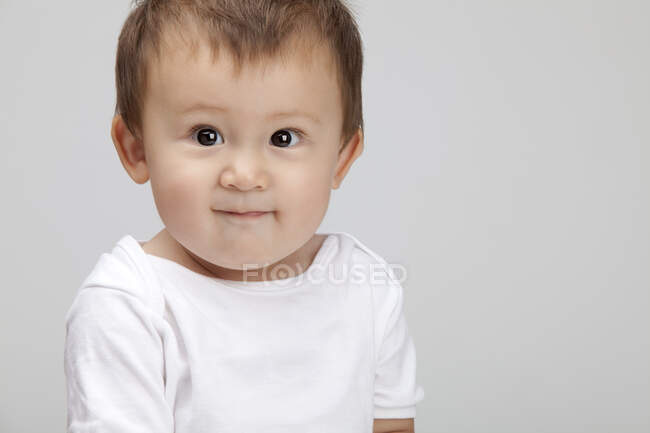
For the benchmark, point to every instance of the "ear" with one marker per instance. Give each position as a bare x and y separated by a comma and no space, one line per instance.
350,152
130,150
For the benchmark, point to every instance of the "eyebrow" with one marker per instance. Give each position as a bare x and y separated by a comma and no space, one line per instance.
293,113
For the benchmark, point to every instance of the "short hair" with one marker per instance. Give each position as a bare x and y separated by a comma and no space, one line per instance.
252,31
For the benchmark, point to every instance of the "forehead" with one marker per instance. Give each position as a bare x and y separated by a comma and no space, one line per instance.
301,77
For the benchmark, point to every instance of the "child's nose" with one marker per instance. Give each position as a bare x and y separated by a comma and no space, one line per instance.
245,171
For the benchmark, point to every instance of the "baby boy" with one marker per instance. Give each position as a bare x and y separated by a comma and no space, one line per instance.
237,316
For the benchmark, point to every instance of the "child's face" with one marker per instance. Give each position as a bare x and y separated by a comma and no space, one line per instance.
237,161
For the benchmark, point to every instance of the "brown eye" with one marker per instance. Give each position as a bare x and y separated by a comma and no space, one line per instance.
206,136
285,138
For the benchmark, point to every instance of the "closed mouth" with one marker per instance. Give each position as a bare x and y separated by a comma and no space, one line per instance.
250,214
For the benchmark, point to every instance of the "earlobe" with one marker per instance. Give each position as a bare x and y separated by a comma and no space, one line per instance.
352,151
130,150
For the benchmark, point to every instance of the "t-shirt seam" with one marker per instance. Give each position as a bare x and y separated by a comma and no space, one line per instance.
144,278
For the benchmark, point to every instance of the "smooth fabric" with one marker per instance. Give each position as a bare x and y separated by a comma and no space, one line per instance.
152,346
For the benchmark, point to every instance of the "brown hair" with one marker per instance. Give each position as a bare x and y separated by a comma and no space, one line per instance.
251,30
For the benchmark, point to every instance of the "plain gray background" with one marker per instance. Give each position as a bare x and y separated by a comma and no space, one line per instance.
506,166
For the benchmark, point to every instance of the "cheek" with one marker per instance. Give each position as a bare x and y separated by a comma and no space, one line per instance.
306,193
176,190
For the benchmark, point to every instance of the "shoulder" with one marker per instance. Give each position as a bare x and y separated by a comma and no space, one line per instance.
368,265
375,276
351,248
122,274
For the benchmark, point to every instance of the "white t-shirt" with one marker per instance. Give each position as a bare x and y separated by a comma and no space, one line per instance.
152,346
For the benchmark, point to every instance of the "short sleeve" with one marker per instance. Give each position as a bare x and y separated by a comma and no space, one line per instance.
396,391
113,363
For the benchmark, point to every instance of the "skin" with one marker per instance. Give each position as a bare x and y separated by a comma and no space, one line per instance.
193,183
397,425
